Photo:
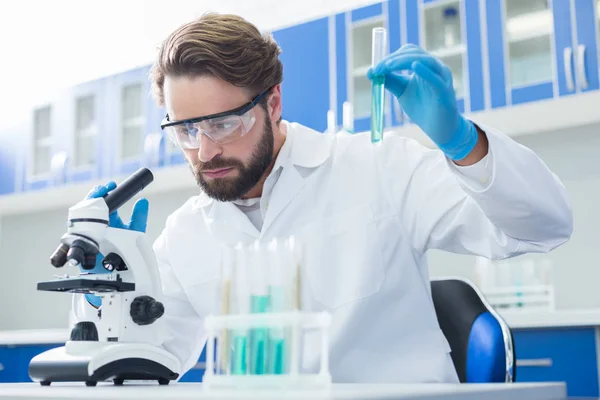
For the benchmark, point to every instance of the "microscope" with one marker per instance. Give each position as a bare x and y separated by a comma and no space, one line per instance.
124,341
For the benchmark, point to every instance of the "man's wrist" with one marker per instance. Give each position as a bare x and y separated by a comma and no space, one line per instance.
478,150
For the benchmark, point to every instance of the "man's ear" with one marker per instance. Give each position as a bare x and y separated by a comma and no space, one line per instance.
274,103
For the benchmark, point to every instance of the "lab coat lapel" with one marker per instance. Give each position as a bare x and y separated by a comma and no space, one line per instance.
229,224
289,184
309,149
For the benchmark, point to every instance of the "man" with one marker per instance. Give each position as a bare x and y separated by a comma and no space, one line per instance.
366,214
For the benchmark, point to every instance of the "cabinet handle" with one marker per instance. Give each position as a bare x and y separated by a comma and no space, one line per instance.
581,78
535,362
567,60
1,367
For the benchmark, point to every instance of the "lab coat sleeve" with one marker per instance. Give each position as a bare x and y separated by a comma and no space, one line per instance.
186,334
521,207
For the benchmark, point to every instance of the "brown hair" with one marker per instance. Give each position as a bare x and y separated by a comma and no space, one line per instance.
223,45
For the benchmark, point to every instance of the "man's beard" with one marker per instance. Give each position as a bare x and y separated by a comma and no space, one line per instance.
229,189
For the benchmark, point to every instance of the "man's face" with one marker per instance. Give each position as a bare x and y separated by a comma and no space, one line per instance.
227,171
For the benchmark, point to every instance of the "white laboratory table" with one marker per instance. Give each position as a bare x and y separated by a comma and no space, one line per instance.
181,391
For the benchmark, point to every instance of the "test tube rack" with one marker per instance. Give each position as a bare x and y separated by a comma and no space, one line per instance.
297,322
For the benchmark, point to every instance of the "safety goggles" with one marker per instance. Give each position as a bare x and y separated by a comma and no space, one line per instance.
221,128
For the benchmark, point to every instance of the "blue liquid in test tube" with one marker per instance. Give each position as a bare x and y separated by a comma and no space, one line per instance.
378,88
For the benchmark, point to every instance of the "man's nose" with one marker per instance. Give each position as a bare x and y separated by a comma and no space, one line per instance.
208,149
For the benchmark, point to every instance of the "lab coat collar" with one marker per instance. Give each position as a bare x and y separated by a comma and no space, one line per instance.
309,148
303,147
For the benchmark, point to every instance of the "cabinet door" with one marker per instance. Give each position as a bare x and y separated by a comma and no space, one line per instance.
586,49
8,162
38,149
566,355
82,132
530,50
306,84
451,31
131,119
8,364
353,51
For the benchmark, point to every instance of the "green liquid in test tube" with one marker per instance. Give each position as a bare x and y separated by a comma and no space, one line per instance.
276,335
378,88
259,304
242,303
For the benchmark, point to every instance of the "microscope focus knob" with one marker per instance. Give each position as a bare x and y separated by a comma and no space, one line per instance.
145,310
84,331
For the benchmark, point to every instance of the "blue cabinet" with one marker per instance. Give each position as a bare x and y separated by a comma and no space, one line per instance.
8,161
80,131
8,364
539,50
450,30
567,355
133,118
306,83
353,44
14,361
197,372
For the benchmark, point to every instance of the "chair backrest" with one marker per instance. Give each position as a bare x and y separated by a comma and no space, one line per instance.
481,342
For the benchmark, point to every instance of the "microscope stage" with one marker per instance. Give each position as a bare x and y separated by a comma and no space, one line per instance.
84,285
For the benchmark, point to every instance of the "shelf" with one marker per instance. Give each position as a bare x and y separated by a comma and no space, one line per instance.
360,72
529,26
449,51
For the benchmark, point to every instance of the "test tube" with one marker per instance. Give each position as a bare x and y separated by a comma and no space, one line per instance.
225,299
378,85
331,125
259,303
348,117
241,306
278,291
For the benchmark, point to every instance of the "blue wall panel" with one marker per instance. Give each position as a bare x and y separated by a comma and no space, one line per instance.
305,58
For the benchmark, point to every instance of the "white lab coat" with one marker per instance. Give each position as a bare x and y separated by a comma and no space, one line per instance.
366,215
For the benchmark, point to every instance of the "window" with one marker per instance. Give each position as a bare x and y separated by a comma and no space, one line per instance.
85,132
42,141
132,121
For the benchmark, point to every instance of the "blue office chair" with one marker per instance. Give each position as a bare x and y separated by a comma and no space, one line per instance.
481,342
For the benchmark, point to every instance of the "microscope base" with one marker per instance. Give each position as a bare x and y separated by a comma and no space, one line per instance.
92,362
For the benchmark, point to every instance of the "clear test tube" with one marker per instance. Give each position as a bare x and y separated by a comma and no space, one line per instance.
225,297
348,117
240,305
379,51
259,303
278,300
331,124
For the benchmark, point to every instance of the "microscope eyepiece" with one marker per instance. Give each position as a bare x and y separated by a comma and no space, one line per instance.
131,186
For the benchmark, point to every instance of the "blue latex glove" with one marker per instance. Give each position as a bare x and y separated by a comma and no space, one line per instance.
427,97
139,219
